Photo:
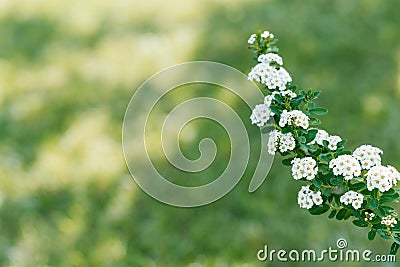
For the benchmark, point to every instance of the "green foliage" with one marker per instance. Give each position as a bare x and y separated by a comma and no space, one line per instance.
335,186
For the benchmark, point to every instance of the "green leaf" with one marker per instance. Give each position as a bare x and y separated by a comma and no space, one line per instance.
318,210
272,49
316,94
328,192
314,121
380,212
390,192
317,183
301,139
278,98
318,111
286,130
389,210
357,186
360,223
394,248
326,157
287,162
372,203
336,181
297,100
371,234
340,215
397,239
383,233
332,214
276,109
348,214
311,135
392,198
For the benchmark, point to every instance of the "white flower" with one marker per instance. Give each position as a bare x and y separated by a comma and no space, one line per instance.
273,141
269,98
272,77
252,38
395,173
285,142
317,198
333,140
269,58
307,198
304,168
381,177
320,137
345,165
294,117
265,34
289,93
353,198
389,221
368,156
369,216
260,115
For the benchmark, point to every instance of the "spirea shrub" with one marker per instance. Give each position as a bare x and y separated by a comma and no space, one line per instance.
349,185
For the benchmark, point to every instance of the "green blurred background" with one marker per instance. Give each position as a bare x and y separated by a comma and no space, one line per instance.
67,72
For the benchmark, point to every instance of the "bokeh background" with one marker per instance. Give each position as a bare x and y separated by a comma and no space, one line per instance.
67,72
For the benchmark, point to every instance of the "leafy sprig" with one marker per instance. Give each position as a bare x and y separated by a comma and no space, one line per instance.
332,186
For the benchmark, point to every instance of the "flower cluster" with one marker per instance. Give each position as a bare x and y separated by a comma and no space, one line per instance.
306,198
346,183
260,115
381,177
271,76
285,142
304,168
353,198
322,136
389,221
270,58
345,165
368,156
294,117
369,216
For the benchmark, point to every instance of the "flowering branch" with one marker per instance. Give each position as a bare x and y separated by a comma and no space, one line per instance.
348,184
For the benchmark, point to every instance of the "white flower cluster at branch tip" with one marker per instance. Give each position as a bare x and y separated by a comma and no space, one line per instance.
252,38
347,183
271,76
389,221
368,156
353,198
322,136
294,117
382,177
267,34
304,168
306,198
285,142
345,165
